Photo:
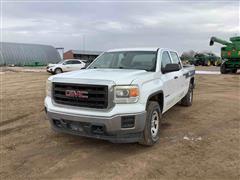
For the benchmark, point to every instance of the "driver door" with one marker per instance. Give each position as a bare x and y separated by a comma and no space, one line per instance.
170,85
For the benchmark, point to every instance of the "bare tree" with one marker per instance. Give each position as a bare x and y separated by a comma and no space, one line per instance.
187,55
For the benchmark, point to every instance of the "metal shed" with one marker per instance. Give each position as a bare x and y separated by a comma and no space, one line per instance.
27,54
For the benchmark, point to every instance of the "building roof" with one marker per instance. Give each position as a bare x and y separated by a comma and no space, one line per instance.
26,54
86,52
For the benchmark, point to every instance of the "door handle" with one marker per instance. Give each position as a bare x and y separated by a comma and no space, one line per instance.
175,77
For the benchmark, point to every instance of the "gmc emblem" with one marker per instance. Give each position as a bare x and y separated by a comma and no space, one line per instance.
79,94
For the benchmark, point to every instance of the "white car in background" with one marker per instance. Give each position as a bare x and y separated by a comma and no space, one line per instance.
66,65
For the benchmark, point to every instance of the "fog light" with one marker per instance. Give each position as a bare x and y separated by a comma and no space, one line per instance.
97,129
128,121
57,123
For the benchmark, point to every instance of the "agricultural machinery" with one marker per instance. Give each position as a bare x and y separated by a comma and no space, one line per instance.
205,59
230,54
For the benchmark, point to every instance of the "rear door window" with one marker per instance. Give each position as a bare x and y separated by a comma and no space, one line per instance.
77,62
69,62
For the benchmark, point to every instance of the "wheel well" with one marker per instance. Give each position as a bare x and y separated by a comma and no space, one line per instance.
58,68
158,96
192,81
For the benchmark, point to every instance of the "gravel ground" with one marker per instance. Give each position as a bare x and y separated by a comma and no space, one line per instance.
199,142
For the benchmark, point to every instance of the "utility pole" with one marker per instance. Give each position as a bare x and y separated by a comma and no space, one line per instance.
60,51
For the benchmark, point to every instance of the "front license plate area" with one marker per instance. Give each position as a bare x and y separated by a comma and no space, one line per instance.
75,127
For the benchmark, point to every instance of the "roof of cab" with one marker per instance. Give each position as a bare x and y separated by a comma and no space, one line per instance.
134,49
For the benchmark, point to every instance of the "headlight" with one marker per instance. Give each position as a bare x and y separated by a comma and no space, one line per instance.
48,88
126,94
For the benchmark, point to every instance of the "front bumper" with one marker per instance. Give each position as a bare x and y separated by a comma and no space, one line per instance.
83,122
49,70
107,128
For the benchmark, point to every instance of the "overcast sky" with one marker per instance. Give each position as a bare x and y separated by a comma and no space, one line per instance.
102,25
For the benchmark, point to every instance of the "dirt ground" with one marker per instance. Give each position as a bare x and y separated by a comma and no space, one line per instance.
198,142
208,68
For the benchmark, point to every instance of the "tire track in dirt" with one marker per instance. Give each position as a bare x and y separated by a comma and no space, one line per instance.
2,123
15,129
9,84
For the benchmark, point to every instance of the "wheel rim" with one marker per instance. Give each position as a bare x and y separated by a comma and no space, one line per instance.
58,71
154,123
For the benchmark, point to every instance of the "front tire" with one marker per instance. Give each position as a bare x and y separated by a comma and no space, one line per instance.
223,68
151,131
188,99
207,63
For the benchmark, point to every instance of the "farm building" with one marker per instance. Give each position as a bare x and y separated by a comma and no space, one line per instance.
80,54
20,54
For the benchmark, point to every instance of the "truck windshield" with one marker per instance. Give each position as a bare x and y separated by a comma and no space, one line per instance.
142,60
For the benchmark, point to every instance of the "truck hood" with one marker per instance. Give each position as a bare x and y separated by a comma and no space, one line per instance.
117,76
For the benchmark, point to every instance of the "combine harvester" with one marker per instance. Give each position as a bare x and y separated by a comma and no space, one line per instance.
230,54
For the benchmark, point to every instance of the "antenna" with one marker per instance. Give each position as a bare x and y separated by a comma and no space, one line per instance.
83,42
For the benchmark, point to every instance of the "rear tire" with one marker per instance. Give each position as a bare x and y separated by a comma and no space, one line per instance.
234,71
188,99
151,131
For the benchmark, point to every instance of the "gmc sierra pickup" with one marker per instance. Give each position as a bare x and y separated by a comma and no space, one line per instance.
120,96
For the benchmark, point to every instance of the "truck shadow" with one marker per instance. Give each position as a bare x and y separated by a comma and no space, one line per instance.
102,151
86,153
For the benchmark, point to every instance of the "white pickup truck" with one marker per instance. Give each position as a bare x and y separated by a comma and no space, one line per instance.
121,96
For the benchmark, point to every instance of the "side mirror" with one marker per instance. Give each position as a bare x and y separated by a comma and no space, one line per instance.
171,68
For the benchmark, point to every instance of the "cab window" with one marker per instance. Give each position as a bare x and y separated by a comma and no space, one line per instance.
175,58
165,59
